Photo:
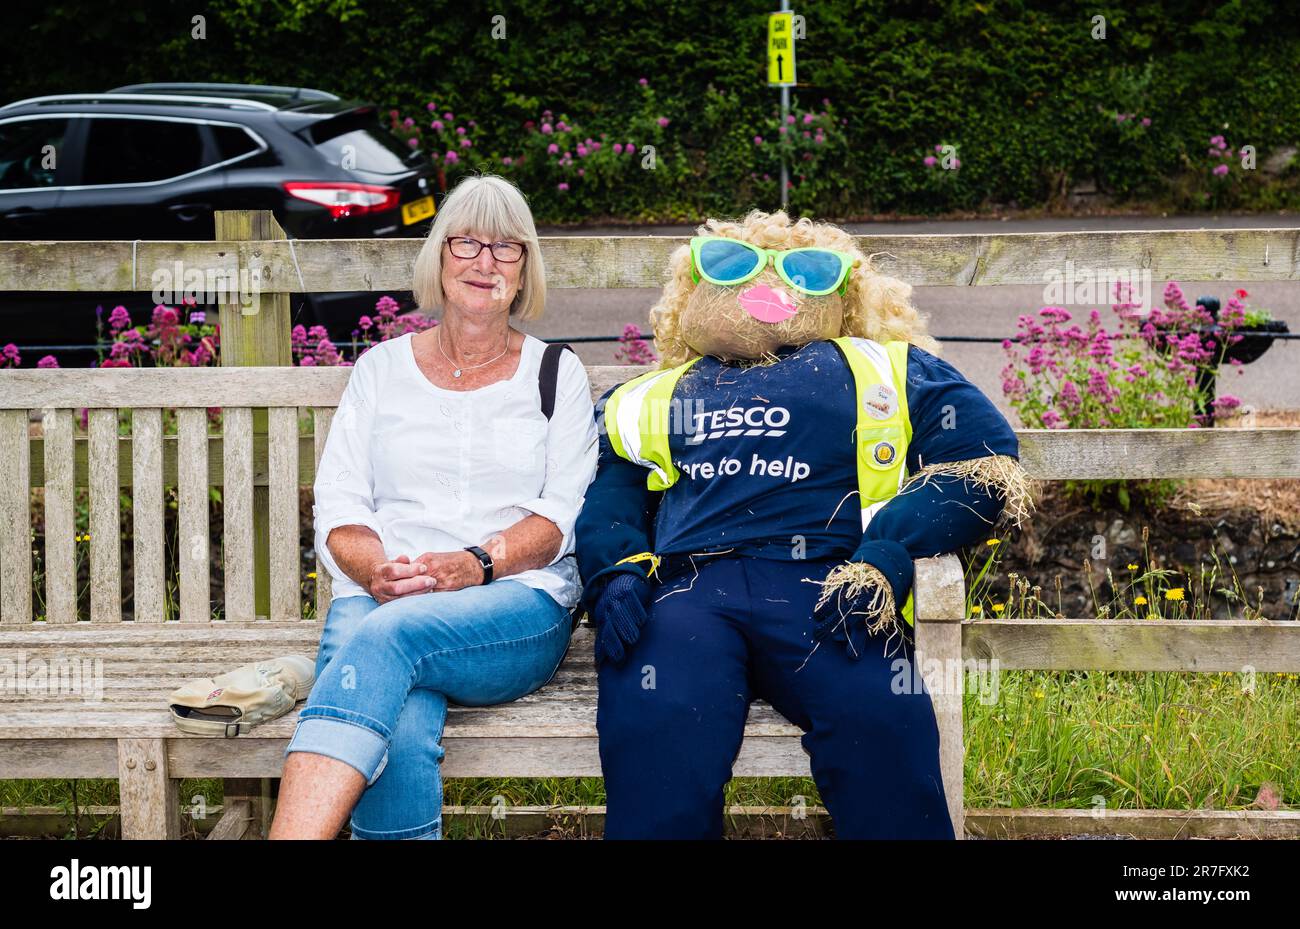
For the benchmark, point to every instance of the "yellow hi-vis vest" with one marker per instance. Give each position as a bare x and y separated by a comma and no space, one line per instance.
641,415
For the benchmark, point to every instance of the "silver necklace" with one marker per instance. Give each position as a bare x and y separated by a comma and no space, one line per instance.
457,371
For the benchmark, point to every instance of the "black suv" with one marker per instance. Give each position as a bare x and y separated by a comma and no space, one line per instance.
153,161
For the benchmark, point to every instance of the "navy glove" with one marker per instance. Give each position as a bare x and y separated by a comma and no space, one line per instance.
835,620
621,611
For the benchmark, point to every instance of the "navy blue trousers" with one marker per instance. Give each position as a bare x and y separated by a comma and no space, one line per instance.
672,718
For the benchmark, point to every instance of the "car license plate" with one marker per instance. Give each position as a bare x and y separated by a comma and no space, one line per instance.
417,210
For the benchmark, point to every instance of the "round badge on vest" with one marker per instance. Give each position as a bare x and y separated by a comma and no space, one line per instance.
882,454
880,401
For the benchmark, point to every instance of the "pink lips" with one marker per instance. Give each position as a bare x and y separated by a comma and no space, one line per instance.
767,304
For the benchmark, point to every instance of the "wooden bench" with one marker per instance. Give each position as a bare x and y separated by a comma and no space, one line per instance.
263,457
128,733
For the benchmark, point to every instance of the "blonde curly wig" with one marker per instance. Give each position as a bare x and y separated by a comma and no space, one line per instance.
875,306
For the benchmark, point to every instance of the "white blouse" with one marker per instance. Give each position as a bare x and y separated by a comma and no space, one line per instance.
434,470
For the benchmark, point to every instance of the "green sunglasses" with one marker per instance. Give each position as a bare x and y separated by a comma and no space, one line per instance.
728,262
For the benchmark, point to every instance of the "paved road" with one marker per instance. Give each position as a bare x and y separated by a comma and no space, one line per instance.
1273,382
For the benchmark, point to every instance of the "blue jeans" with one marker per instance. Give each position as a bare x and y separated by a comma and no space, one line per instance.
386,672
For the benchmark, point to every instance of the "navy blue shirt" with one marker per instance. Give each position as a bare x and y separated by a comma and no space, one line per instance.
767,463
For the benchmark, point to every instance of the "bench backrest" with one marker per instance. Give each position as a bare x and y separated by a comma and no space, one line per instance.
273,425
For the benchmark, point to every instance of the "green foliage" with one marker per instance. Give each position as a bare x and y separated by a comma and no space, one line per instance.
1028,92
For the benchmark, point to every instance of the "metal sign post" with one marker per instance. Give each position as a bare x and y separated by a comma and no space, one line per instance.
780,73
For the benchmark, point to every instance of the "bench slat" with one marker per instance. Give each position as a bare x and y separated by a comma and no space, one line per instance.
105,544
237,501
147,510
286,555
321,419
15,520
60,518
192,515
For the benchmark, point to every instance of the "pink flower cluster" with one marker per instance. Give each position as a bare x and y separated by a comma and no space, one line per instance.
1144,373
11,357
633,348
166,341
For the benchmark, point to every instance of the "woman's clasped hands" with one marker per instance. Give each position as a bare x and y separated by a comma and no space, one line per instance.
431,571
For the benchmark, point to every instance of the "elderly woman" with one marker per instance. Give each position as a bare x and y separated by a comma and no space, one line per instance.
445,507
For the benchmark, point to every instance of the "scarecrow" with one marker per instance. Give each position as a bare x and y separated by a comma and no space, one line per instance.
751,531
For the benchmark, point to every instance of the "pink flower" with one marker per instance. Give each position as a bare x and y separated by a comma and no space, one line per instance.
408,122
552,149
1146,120
930,161
460,130
618,146
546,129
48,361
758,140
436,125
413,143
662,121
447,116
562,185
1220,170
643,82
507,160
465,143
582,151
431,106
561,126
119,319
365,322
938,148
451,157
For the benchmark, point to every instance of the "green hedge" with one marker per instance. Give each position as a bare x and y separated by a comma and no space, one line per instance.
1022,90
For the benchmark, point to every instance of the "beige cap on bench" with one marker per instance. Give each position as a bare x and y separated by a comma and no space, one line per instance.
231,704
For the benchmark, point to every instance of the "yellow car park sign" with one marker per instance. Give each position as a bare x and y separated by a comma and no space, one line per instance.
780,49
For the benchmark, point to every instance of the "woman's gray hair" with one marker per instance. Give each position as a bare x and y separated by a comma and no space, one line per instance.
491,206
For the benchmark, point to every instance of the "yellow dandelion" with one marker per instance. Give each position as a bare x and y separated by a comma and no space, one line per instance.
311,574
1132,567
1140,601
992,542
1174,593
1038,694
976,610
999,607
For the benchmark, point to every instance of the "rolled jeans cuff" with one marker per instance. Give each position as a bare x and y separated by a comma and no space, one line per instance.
351,743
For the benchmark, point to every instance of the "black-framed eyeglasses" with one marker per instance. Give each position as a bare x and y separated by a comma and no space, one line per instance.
462,246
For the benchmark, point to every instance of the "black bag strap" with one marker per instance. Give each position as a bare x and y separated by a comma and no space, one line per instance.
549,373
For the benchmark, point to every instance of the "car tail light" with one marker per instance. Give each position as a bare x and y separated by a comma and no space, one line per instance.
343,198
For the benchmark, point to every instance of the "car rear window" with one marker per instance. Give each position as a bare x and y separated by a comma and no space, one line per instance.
363,141
232,142
25,160
131,151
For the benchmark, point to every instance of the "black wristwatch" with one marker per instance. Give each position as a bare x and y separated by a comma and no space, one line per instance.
484,559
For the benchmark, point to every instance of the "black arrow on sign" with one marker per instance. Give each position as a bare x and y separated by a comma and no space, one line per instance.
780,73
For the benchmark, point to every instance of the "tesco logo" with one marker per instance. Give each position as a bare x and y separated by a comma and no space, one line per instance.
753,420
